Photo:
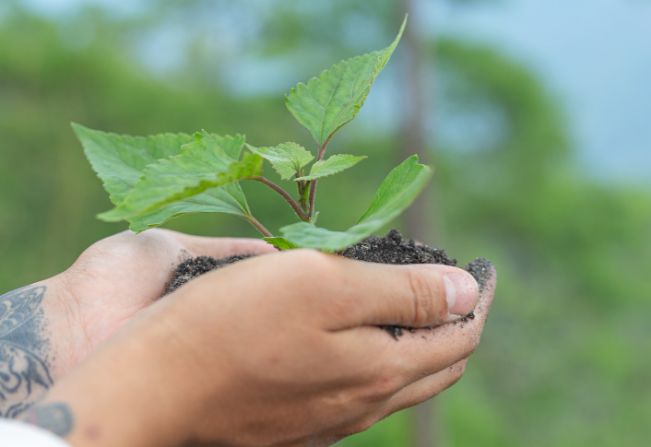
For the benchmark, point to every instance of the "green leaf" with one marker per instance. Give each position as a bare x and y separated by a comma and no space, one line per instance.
332,165
398,190
280,243
287,159
332,99
119,161
208,162
228,199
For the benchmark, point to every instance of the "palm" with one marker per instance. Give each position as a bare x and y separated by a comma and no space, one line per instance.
119,276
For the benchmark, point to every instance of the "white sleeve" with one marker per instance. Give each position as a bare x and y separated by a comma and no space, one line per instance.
19,434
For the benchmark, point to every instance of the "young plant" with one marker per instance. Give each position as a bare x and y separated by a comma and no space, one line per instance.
155,178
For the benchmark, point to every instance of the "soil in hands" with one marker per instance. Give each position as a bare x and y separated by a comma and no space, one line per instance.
193,267
390,249
395,249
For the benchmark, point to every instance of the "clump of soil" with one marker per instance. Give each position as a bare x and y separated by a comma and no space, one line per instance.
390,249
394,249
193,267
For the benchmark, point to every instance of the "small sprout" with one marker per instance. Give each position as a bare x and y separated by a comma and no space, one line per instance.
153,179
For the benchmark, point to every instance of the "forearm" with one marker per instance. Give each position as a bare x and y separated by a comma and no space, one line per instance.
123,395
26,356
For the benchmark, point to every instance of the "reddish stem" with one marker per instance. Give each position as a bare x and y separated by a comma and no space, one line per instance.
313,183
285,195
258,226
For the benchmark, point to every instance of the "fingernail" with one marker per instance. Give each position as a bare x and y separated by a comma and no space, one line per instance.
461,292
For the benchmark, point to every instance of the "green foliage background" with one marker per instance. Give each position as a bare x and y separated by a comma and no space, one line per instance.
565,358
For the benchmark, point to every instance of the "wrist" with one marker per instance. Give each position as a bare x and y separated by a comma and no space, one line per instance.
125,394
64,326
29,346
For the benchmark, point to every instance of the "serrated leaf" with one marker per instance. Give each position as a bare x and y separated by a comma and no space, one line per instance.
208,162
398,190
332,165
228,199
119,161
280,243
332,99
287,159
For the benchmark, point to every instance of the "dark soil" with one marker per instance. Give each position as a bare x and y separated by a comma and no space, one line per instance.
394,249
390,249
193,267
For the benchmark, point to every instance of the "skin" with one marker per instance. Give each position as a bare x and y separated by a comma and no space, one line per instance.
239,358
49,327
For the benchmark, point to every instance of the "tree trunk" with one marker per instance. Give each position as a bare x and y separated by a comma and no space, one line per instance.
418,222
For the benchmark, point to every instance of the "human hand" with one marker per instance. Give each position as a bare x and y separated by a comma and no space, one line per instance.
118,276
48,328
279,350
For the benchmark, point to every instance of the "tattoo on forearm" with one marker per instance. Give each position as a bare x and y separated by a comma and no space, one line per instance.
24,364
55,417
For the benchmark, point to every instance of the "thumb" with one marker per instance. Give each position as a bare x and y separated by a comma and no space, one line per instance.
403,295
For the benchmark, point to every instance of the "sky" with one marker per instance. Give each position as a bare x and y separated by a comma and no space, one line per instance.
594,55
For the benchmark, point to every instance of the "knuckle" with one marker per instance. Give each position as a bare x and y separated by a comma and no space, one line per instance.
458,371
382,388
337,401
457,374
425,297
89,257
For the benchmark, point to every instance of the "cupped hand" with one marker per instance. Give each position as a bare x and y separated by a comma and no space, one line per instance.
116,278
277,350
303,361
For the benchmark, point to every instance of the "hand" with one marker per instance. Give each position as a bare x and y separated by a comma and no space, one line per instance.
119,276
54,324
279,350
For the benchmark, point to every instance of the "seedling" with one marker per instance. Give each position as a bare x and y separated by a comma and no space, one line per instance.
153,179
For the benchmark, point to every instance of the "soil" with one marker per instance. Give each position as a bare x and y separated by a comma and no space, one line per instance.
193,267
390,249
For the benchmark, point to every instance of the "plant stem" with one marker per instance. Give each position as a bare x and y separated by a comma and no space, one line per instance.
312,197
258,226
302,194
313,183
285,195
323,148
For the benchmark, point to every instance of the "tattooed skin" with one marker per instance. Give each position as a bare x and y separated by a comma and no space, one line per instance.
24,367
55,417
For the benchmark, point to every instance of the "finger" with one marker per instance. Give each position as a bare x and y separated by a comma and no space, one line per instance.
409,396
423,352
383,403
223,247
425,389
360,293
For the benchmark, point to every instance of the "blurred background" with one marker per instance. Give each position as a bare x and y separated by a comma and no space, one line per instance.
536,116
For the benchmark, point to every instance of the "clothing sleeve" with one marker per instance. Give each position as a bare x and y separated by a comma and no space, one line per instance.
19,434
